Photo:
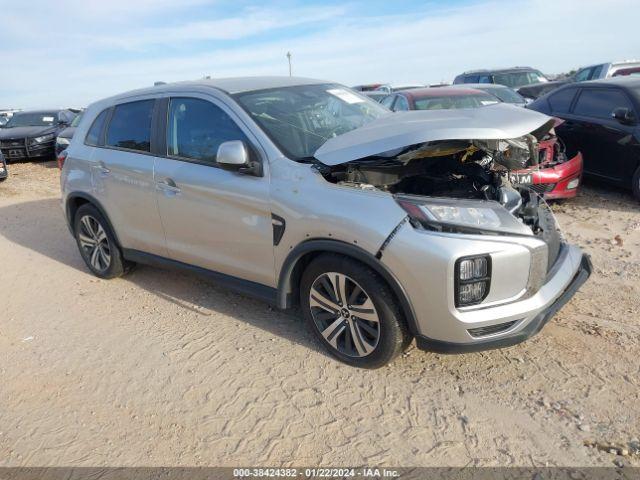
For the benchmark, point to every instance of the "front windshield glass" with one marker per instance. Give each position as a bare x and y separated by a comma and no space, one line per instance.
506,95
40,119
455,101
300,119
518,79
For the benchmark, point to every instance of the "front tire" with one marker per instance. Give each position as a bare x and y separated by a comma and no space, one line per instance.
97,243
352,312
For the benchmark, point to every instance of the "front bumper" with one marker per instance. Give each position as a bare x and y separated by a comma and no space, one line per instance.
531,328
523,295
553,182
27,151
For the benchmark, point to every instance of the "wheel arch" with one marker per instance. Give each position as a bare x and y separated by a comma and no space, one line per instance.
76,200
304,253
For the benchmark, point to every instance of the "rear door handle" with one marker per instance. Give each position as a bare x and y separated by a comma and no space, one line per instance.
168,186
102,169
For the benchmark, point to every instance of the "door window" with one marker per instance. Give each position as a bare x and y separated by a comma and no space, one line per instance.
130,126
196,128
484,79
601,102
560,102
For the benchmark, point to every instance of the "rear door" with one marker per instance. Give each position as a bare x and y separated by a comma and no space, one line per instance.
609,145
213,218
123,176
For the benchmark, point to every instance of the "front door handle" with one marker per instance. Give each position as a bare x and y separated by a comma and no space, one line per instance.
168,186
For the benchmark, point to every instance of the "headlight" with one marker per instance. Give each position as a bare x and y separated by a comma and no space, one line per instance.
461,214
472,280
62,141
44,138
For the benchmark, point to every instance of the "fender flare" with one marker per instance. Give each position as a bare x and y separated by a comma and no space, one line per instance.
286,289
93,201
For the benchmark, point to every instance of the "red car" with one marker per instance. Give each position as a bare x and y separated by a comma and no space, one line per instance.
555,176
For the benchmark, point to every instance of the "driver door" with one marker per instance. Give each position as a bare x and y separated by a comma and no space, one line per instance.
212,218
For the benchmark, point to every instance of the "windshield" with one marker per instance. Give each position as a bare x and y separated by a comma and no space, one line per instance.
300,119
455,101
518,79
40,119
504,94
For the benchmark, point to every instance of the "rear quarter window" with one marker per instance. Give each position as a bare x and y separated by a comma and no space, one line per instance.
93,136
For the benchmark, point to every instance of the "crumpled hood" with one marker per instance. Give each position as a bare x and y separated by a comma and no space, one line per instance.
23,132
403,129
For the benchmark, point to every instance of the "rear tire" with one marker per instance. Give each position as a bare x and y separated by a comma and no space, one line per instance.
635,185
97,244
352,312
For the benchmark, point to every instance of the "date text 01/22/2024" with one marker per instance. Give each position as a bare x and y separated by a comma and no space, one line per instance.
366,472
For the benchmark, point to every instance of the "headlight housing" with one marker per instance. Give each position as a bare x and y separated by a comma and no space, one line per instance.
461,215
43,138
472,280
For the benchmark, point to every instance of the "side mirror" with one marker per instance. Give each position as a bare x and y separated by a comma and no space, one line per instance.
624,116
234,156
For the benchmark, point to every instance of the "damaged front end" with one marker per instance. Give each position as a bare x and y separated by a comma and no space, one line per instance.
459,185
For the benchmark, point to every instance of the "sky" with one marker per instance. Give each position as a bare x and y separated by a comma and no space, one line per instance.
68,53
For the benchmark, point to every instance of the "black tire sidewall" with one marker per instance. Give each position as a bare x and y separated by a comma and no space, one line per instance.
116,267
393,335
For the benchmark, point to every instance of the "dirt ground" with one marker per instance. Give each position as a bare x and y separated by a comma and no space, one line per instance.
160,368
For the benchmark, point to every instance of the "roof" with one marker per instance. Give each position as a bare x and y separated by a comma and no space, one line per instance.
482,86
229,85
441,92
500,70
625,81
42,111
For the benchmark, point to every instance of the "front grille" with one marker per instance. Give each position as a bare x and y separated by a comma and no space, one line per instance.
542,188
10,143
12,153
490,330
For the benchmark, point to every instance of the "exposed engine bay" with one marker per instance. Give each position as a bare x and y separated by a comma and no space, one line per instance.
461,169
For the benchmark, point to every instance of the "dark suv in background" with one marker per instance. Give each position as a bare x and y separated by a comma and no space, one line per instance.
32,134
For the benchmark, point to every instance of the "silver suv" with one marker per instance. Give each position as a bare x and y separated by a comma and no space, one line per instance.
381,227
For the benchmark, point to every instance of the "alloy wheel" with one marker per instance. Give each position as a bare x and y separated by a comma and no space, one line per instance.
94,243
344,314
